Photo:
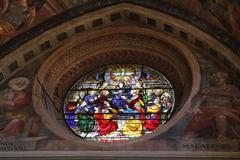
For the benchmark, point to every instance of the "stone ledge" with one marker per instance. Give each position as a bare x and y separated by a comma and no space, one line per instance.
166,155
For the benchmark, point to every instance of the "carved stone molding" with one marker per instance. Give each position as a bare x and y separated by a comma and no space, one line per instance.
122,44
47,33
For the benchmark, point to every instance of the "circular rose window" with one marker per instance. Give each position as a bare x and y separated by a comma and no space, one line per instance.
118,102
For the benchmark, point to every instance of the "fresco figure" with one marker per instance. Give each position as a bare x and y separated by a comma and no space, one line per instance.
219,9
35,125
13,104
216,105
17,13
226,11
3,5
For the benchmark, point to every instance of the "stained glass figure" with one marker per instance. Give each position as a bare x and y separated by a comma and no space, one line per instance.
119,102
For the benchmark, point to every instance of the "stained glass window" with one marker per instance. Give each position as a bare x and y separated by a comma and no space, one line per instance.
118,102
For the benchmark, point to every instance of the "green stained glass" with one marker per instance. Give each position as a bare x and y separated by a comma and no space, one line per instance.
118,102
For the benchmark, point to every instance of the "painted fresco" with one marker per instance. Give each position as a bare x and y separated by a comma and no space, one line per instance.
224,14
217,110
215,117
15,14
103,106
19,125
125,102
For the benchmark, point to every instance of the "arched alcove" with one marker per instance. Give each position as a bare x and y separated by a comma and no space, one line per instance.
108,46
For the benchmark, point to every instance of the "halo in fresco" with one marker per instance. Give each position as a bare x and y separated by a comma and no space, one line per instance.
118,102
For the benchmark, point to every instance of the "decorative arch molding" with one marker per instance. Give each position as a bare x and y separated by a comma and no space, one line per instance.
48,36
120,44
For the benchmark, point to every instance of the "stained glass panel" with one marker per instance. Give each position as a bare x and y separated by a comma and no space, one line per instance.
119,102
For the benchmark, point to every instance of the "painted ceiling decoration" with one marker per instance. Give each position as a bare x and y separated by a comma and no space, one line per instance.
86,79
223,14
16,14
176,9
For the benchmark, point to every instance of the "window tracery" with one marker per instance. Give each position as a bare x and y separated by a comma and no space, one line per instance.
119,102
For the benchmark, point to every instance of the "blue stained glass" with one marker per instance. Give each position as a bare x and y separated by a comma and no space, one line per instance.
97,76
70,119
148,76
129,101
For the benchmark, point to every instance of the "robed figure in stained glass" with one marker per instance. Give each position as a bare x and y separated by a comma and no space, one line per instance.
118,103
